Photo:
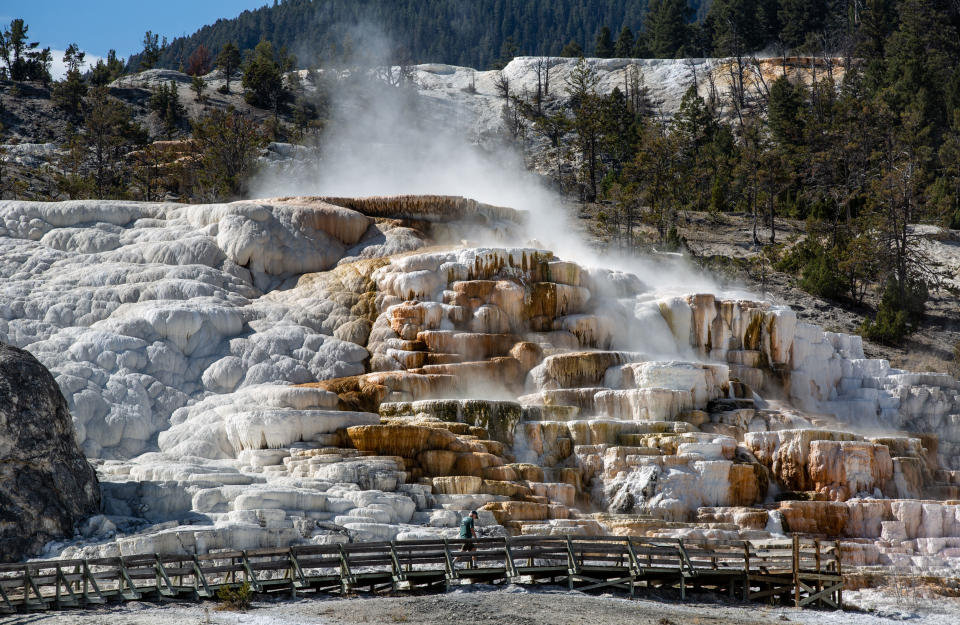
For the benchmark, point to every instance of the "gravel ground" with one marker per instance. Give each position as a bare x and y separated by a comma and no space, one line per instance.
504,606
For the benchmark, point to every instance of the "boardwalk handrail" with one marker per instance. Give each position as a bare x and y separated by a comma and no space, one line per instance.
800,571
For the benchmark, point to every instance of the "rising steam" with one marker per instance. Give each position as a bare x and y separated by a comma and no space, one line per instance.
385,140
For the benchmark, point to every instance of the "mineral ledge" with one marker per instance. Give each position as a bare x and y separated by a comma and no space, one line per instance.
311,370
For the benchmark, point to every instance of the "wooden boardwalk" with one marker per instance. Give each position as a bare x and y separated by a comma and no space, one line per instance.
796,572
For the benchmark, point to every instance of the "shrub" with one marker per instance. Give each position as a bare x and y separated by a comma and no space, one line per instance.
820,277
897,315
818,266
798,257
674,241
889,327
234,599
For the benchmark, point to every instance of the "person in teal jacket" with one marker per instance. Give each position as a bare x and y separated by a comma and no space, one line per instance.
468,532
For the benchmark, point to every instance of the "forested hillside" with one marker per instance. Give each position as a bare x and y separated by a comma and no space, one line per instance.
475,33
486,33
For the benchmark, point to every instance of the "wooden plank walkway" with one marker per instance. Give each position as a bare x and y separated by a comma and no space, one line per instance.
796,571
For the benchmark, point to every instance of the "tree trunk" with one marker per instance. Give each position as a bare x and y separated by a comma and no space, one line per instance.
773,226
753,205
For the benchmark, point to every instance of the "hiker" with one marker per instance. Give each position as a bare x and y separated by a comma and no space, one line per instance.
468,532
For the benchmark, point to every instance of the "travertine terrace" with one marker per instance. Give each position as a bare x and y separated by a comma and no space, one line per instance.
291,370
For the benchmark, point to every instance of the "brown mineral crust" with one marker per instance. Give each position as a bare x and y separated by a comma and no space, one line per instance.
827,518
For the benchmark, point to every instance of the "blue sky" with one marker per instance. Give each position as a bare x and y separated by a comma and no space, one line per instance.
99,25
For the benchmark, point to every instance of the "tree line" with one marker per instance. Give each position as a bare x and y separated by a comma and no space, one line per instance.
486,33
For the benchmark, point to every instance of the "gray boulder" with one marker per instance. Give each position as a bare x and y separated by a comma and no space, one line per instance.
46,484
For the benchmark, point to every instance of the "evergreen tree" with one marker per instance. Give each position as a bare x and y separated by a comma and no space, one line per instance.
604,44
641,46
69,93
23,60
508,50
799,18
587,121
694,129
737,31
263,78
877,20
106,72
108,134
666,26
165,102
197,85
785,112
625,42
654,170
152,49
920,56
572,50
227,143
228,61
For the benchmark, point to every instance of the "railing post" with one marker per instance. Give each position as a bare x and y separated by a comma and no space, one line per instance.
796,570
816,546
572,568
296,574
449,563
61,579
248,574
89,578
746,570
8,607
200,580
840,575
511,568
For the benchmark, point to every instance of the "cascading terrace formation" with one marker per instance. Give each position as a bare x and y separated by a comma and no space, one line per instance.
312,370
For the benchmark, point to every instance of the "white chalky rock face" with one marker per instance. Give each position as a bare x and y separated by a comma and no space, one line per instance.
140,309
448,379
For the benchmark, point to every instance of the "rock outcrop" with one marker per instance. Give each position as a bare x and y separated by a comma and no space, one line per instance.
46,485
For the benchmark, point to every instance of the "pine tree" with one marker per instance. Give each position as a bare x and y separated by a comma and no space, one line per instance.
106,72
799,18
877,21
587,120
785,112
165,102
197,85
737,31
625,42
666,27
69,93
108,133
227,143
736,34
228,61
263,79
152,49
22,58
604,44
921,55
572,50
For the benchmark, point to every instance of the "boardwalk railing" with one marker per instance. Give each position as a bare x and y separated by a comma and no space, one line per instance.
798,572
